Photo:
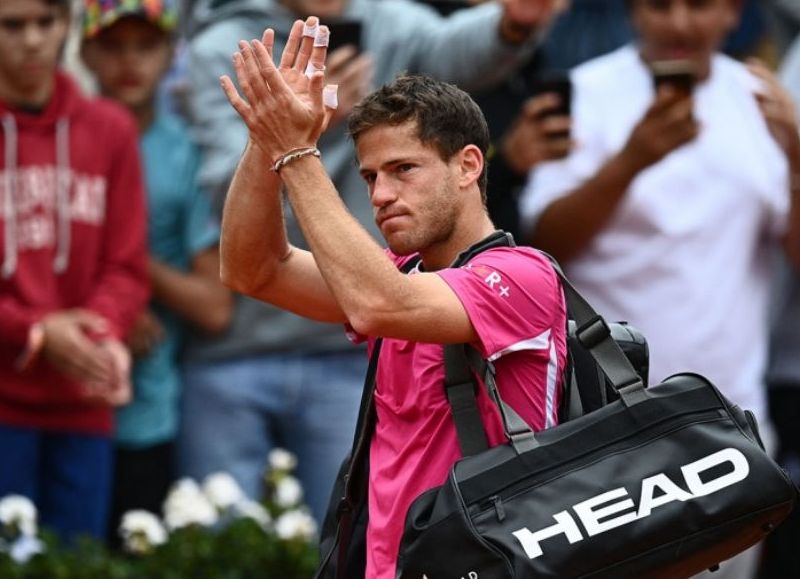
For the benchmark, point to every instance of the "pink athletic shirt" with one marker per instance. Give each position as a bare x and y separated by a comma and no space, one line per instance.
515,303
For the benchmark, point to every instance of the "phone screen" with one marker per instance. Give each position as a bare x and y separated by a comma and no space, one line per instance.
345,32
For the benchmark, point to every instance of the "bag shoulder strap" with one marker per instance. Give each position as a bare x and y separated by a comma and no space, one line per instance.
460,360
467,419
594,334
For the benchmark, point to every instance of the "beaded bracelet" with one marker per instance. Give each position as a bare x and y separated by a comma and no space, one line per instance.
293,155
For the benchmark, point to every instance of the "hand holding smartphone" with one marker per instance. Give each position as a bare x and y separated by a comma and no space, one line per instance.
557,83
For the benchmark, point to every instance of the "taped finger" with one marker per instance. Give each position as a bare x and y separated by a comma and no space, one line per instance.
318,52
311,68
306,45
330,96
310,31
323,37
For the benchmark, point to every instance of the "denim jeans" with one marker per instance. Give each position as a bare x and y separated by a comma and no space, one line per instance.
234,412
66,475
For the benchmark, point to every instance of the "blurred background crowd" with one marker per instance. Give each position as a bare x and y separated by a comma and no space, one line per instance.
650,145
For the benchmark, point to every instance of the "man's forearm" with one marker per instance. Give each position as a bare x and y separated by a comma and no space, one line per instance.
253,237
352,263
569,224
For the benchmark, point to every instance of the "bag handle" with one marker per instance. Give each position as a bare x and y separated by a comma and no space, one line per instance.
594,334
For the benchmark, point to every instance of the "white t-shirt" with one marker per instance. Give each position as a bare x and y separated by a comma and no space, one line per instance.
685,258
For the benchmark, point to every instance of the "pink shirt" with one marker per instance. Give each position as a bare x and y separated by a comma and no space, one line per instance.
514,301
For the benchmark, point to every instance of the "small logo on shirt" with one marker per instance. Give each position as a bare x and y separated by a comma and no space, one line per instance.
495,281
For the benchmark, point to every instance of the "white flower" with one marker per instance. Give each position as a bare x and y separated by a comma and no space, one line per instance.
253,510
26,547
141,531
222,490
288,492
187,505
19,512
297,524
281,459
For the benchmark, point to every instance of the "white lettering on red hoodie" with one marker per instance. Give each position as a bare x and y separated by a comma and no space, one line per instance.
72,235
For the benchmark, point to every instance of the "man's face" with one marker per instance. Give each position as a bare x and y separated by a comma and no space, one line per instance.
326,9
129,59
32,33
414,193
683,29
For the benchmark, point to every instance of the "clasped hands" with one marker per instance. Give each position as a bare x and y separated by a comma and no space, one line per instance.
288,106
76,342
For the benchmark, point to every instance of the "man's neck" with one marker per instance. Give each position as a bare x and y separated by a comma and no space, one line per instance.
443,255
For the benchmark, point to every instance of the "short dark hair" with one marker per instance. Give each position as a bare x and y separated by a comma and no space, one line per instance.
447,117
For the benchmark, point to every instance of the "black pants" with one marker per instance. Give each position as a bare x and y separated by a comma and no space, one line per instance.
142,478
781,558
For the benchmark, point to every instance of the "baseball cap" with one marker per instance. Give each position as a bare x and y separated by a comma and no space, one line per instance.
100,14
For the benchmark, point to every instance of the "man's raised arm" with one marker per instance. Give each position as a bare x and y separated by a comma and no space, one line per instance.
256,257
285,122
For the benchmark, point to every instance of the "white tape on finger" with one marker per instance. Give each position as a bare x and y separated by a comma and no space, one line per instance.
311,68
330,96
323,36
310,31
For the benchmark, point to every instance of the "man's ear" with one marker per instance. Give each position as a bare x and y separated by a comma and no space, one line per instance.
471,165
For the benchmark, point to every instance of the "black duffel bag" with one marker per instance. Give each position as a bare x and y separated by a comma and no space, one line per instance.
661,482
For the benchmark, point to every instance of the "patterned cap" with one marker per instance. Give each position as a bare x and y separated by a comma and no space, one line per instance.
100,14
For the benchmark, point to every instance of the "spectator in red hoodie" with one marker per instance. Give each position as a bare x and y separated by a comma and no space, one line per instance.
73,274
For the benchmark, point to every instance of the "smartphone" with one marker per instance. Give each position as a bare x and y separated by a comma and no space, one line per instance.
555,83
559,84
679,74
345,32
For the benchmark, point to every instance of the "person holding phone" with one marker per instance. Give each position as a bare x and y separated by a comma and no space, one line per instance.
683,180
276,378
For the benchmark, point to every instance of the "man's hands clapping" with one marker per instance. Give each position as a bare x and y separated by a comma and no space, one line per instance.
284,107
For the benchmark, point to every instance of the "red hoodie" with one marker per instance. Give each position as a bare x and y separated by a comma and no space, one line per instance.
72,235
